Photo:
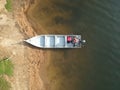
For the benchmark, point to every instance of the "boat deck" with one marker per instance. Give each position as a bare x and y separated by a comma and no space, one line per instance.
53,41
56,42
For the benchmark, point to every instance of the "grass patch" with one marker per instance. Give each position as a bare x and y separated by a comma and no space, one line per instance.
8,5
4,85
6,68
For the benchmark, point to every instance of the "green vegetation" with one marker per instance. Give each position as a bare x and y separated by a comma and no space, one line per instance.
4,85
6,68
8,5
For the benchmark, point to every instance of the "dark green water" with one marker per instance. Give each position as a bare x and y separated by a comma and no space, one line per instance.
95,66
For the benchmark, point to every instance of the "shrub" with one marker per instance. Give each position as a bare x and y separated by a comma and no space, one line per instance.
8,5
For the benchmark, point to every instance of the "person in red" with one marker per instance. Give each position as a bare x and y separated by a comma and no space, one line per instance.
69,39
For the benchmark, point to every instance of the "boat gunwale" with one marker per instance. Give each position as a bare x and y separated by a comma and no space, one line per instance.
38,36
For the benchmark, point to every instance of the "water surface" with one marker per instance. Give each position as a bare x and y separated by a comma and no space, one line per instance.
96,66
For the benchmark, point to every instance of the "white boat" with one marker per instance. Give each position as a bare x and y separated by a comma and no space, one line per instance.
56,41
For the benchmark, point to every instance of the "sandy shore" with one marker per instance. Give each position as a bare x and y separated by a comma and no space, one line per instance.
14,28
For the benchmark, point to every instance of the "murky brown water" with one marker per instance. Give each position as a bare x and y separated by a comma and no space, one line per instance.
93,67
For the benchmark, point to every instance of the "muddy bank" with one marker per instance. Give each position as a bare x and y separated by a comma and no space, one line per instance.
27,60
34,56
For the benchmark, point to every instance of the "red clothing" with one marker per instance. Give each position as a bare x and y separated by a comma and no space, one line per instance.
69,38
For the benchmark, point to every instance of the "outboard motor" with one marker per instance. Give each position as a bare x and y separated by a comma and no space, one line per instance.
83,41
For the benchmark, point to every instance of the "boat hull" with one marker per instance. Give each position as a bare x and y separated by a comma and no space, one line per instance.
53,41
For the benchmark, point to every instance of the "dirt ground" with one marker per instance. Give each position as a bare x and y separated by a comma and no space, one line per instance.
27,60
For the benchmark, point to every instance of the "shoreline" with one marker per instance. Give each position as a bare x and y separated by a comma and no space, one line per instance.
20,16
41,55
27,29
27,60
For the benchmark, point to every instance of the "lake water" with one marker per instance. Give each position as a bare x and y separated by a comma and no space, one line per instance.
96,66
